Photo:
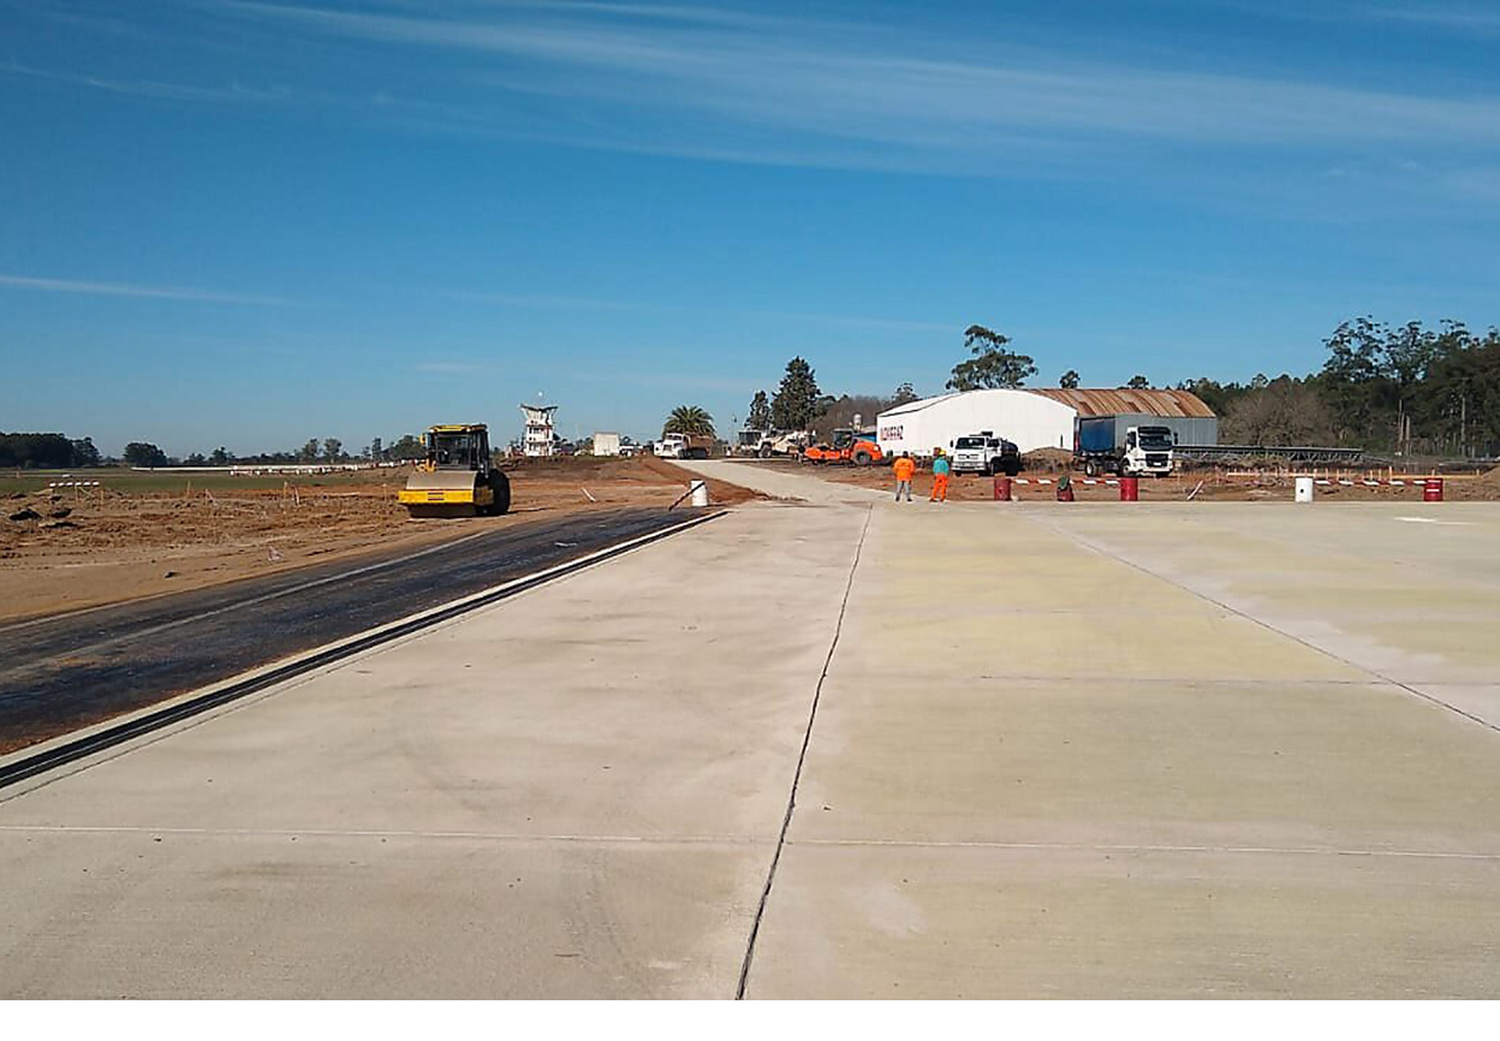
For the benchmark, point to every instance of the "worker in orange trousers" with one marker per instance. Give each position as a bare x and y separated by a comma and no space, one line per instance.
940,471
904,468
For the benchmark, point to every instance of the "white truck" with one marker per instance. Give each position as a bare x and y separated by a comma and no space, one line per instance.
1128,445
984,453
682,446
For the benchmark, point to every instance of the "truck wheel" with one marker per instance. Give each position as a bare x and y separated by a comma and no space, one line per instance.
765,451
861,458
1090,469
1012,468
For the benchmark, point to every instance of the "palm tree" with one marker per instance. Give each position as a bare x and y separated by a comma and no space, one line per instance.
688,419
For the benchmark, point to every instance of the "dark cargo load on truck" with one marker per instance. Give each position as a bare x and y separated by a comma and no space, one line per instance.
1101,434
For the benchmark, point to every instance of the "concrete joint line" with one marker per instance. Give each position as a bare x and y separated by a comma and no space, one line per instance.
385,833
1097,847
86,744
791,802
1433,699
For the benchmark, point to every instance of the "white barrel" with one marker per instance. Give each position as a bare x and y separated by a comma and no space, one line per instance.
700,493
1304,489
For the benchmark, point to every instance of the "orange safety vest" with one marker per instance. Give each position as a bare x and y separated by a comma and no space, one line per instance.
904,468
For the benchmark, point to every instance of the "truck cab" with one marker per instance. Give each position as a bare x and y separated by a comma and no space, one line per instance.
1128,445
984,453
749,442
1148,450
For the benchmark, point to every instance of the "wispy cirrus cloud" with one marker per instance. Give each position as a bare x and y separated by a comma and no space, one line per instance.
553,302
1462,18
864,84
147,88
757,86
65,285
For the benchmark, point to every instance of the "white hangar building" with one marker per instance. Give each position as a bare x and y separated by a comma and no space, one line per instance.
1030,420
1043,417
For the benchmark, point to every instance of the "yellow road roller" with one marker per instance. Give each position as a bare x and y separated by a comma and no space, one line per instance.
457,479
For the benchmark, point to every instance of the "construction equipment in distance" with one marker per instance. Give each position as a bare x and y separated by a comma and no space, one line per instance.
848,447
458,478
766,443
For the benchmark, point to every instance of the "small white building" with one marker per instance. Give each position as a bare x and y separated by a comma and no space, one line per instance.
541,427
606,443
1031,420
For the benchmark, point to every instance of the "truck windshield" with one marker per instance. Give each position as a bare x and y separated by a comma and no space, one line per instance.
969,442
1156,439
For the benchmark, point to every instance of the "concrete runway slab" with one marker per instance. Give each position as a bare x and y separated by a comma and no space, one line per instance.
617,746
1149,751
226,913
916,921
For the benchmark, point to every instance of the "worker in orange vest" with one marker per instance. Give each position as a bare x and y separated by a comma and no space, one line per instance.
904,468
940,470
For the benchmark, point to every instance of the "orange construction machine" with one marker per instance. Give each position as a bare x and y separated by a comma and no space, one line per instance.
848,446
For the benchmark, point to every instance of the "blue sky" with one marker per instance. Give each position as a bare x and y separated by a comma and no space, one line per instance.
253,223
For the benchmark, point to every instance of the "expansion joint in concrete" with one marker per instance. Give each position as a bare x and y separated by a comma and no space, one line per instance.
791,802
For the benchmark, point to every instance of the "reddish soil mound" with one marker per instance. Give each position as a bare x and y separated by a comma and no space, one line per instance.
1048,460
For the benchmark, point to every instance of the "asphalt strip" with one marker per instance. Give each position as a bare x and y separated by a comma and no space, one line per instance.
38,760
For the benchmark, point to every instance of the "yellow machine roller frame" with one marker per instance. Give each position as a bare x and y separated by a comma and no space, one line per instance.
457,479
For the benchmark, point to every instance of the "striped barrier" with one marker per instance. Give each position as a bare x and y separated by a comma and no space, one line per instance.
73,484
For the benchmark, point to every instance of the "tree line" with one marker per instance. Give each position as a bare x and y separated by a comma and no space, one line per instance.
47,452
27,451
1405,389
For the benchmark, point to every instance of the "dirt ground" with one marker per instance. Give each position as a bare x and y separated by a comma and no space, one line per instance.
1205,485
131,537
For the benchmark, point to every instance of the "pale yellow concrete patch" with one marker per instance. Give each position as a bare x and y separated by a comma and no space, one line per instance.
924,922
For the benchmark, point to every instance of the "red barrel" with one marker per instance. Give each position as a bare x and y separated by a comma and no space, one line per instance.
1432,489
1130,489
1002,489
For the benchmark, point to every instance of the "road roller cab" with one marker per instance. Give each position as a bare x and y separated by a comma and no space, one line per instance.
457,478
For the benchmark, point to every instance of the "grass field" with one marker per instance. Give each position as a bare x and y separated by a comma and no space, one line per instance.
144,481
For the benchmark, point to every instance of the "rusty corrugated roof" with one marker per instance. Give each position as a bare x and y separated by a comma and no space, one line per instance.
1096,402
